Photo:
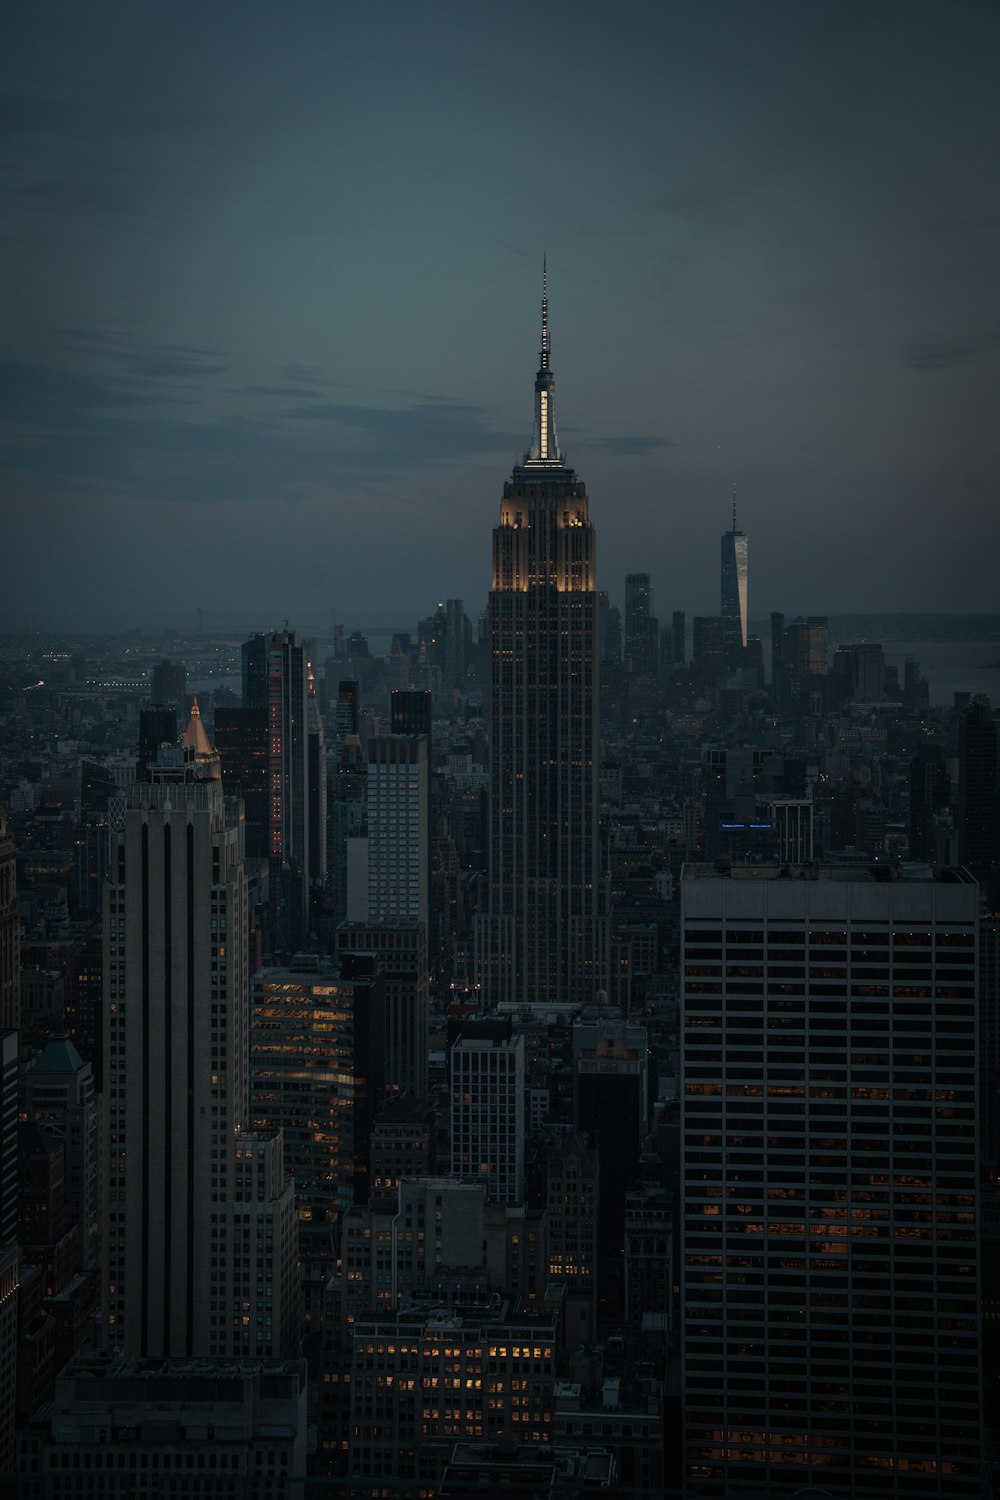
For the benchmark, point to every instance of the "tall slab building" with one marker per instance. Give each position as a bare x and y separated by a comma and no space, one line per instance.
544,936
198,1213
733,591
829,1279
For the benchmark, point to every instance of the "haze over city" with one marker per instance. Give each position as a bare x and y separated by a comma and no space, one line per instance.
272,284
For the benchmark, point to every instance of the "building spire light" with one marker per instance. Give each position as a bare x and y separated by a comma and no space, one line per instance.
544,441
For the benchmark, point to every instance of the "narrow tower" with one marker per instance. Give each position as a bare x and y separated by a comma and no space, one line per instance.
544,936
734,592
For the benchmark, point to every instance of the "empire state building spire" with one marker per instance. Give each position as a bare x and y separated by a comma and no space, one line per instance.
544,441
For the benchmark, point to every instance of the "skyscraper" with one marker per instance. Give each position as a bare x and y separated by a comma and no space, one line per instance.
544,936
733,608
184,1184
829,1273
275,679
641,629
10,932
979,796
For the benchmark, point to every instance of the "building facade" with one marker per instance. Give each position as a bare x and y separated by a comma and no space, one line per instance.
177,1196
829,1279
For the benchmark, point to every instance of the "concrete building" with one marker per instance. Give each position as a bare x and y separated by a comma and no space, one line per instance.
427,1377
486,1071
830,1279
399,952
398,828
10,932
176,1071
124,1426
317,1064
57,1094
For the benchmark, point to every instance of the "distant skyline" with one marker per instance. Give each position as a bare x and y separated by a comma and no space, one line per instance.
272,280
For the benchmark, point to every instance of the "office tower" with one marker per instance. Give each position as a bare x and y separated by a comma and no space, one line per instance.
486,1073
398,828
544,937
399,950
708,656
275,679
169,684
241,740
318,1054
193,1208
777,645
791,820
573,1208
347,710
410,711
733,592
641,627
860,671
316,789
157,726
649,1254
610,618
930,793
10,932
829,1282
457,640
121,1426
979,796
805,646
9,1273
678,628
611,1094
58,1095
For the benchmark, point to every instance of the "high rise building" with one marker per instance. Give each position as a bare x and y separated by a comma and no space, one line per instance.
398,828
641,628
10,1272
275,678
486,1069
679,633
10,932
830,1318
544,937
930,793
410,711
58,1094
199,1228
241,740
318,1056
979,796
399,950
733,609
157,726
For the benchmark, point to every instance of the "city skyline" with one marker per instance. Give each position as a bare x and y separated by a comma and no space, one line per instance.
270,301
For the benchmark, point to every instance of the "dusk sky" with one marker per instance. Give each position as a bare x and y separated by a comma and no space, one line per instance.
271,280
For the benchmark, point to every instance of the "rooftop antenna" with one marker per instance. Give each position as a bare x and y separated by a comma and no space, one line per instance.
545,312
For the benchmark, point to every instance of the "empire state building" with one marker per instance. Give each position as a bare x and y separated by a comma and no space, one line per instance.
544,937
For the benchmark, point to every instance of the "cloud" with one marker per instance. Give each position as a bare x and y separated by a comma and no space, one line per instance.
945,354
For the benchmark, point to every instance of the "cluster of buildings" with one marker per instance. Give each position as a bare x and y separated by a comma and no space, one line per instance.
538,1055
